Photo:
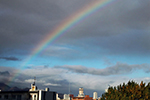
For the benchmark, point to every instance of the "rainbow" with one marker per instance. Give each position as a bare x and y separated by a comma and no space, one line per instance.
65,25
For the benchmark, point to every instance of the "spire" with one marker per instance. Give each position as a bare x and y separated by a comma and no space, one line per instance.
69,87
34,80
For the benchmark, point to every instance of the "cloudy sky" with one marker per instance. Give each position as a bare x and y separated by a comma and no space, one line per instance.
108,47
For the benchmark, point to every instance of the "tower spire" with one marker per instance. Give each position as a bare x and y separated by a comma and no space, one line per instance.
34,80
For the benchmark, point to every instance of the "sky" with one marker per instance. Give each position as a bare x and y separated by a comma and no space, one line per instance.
107,47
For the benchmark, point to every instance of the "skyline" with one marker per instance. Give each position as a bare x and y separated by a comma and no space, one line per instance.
107,45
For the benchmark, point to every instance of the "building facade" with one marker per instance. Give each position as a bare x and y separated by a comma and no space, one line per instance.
14,95
83,98
32,94
81,93
95,96
80,96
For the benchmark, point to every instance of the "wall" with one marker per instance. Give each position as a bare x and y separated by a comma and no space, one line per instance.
14,96
46,95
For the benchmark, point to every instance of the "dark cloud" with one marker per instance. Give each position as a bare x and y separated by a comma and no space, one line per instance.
10,58
25,23
5,73
111,20
4,76
113,31
119,68
135,43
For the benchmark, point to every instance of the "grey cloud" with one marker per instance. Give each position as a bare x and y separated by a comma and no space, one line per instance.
46,77
119,68
114,31
45,8
5,73
25,23
133,43
138,16
11,70
10,58
128,43
111,20
4,76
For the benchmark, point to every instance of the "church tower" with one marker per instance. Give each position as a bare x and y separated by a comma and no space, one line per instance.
81,94
33,86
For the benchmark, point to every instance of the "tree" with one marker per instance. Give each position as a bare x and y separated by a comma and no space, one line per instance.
129,91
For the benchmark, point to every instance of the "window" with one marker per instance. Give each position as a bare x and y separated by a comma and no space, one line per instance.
34,97
18,97
6,96
13,96
30,96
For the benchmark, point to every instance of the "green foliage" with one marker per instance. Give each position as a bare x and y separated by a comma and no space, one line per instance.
129,91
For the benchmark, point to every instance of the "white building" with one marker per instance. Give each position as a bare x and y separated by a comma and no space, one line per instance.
59,96
63,97
81,94
32,94
95,96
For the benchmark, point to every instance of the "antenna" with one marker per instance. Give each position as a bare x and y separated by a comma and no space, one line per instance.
34,80
69,87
